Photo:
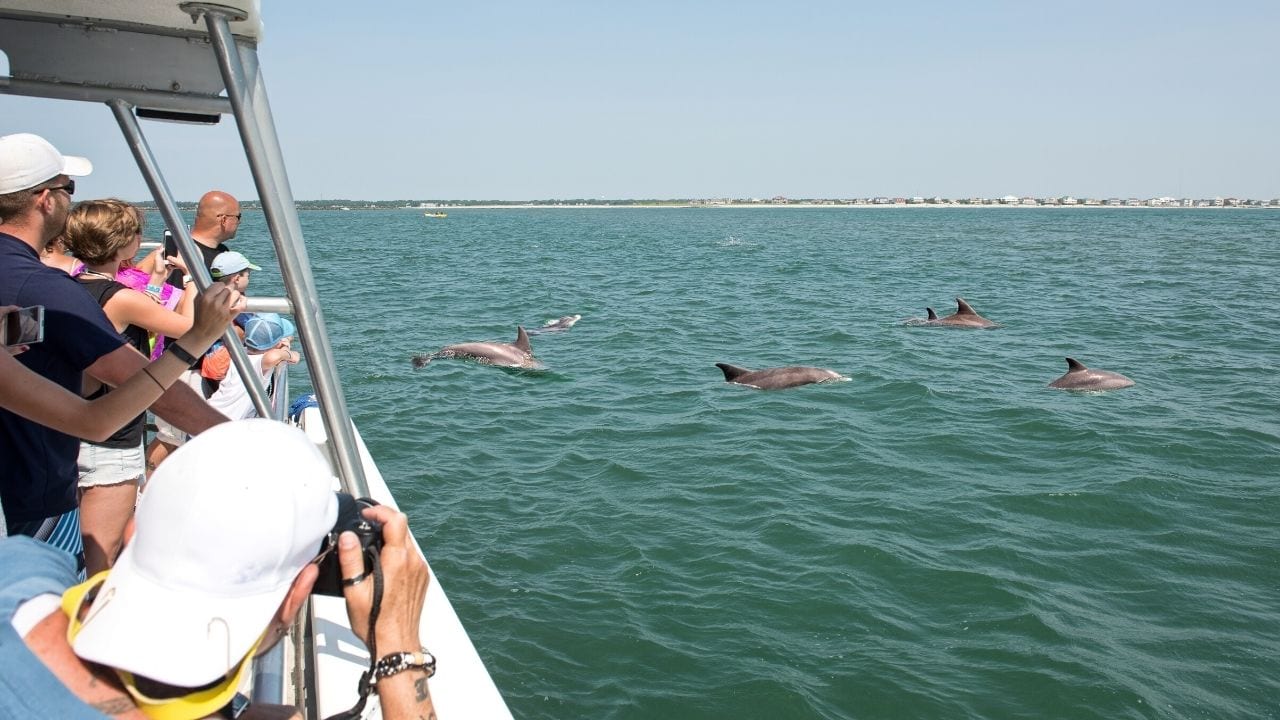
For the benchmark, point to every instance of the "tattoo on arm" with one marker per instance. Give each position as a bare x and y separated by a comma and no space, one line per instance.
420,685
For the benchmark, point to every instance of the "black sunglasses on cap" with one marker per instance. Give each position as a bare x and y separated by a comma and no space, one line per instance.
69,188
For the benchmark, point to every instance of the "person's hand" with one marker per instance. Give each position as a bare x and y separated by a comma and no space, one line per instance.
156,264
215,309
176,261
404,584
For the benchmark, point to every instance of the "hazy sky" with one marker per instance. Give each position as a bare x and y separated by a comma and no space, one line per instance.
519,100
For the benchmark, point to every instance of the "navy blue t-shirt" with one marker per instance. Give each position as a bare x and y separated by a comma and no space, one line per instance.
38,471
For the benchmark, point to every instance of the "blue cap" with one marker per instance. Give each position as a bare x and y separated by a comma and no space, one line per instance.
265,330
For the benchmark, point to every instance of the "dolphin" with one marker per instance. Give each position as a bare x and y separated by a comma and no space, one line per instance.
560,325
516,355
777,378
1079,377
964,317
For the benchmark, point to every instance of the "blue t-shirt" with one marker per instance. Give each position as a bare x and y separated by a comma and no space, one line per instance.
29,568
38,473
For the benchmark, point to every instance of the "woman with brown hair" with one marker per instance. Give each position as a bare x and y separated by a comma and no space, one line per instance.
105,234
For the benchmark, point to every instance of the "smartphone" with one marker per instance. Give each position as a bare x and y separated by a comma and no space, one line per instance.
171,251
23,327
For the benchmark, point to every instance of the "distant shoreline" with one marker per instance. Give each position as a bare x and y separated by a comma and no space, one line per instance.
315,205
797,206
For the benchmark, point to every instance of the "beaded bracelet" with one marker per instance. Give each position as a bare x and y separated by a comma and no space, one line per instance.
398,662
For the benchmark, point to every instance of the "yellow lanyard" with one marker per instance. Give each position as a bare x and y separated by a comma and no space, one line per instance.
201,703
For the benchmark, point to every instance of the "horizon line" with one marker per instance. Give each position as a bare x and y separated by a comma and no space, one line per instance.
776,200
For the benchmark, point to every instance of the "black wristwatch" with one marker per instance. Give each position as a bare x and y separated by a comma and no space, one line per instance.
399,662
182,354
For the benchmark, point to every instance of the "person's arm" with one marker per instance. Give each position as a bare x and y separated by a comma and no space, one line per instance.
40,400
154,263
277,355
406,694
130,307
180,405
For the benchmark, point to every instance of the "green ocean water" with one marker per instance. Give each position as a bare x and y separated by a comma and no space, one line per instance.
625,535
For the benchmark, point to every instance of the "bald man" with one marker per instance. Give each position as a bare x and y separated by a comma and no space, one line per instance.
217,220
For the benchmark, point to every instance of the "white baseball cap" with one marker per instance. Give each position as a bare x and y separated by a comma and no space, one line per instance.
230,263
27,160
222,529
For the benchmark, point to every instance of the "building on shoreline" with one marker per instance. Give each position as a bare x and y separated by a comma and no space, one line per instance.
777,201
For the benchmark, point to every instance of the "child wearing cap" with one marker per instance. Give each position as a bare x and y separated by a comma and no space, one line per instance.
232,269
267,338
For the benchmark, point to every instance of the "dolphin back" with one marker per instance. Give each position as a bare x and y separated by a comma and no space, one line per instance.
731,371
522,340
1080,377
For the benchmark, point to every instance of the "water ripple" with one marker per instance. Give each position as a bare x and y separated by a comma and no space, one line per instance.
625,535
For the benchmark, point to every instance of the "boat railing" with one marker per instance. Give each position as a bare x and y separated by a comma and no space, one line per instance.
112,59
246,101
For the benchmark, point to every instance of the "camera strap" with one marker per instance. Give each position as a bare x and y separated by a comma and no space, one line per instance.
365,685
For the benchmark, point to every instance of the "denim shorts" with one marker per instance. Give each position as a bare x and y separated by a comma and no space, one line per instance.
109,466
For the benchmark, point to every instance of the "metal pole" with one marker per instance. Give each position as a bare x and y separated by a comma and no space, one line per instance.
247,92
186,246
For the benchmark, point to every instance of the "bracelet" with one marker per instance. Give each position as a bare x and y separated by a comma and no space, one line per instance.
154,289
182,354
147,370
399,662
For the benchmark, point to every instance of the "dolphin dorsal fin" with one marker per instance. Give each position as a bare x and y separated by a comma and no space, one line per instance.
962,308
1074,365
932,315
522,340
732,371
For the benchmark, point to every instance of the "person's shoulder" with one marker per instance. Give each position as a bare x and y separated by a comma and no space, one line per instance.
18,260
22,557
52,286
126,293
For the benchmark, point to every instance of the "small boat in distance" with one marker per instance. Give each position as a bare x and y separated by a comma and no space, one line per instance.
435,214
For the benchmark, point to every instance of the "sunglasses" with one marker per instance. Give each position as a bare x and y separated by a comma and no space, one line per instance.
69,188
236,216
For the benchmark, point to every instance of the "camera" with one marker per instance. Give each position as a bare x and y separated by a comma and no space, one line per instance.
368,531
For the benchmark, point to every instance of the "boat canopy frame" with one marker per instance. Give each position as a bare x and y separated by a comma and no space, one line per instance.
139,58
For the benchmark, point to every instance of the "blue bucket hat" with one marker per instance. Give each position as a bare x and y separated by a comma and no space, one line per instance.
265,330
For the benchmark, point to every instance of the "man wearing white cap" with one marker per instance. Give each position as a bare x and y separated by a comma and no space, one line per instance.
217,567
38,475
